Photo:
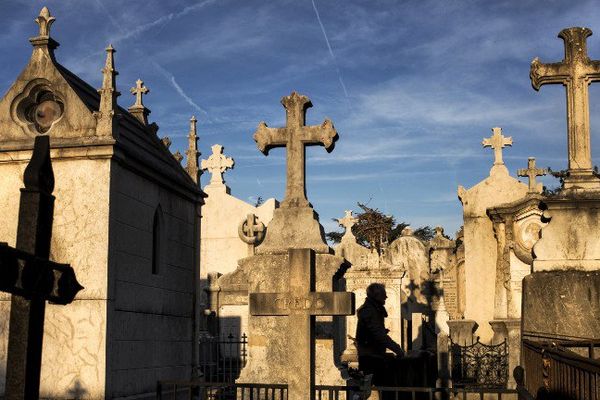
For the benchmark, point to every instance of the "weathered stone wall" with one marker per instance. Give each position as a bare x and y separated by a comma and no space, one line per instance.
150,324
73,334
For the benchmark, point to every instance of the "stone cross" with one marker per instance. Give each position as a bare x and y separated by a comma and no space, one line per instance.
138,91
216,164
251,230
295,137
300,305
497,142
532,172
31,278
348,222
576,71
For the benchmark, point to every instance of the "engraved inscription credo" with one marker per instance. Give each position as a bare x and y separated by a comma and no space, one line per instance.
299,303
38,107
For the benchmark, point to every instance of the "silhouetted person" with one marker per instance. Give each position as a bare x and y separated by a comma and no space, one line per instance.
372,338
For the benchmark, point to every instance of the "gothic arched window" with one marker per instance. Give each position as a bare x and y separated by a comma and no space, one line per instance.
157,240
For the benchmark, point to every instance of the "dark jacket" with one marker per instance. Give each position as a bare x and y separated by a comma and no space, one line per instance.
371,336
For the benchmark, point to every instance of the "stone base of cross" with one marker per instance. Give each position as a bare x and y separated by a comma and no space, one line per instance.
300,305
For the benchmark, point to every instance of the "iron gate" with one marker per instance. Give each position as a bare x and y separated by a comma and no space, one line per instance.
479,365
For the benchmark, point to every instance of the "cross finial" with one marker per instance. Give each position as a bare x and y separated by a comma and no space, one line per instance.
138,109
216,164
348,222
532,172
295,136
138,91
576,72
45,21
497,142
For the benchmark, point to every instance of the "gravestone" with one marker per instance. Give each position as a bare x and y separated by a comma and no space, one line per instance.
480,245
561,298
231,229
274,269
31,278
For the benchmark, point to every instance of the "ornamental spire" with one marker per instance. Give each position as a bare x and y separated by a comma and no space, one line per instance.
192,152
108,96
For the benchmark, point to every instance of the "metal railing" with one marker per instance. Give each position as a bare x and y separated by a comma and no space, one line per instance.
553,370
222,358
479,365
197,390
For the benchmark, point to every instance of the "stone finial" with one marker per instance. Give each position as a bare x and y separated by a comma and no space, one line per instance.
295,136
532,173
43,39
108,96
348,222
439,231
216,164
497,142
45,21
138,109
166,141
178,156
407,231
192,152
575,72
251,230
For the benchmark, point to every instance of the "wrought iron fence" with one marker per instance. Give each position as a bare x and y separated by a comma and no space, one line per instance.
479,365
196,390
555,372
222,358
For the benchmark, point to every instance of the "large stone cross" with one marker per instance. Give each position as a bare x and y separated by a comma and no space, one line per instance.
576,71
348,222
27,273
532,172
301,304
138,91
216,164
295,137
497,142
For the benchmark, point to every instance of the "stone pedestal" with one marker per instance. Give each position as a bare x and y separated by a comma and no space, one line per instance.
462,331
509,330
570,240
268,343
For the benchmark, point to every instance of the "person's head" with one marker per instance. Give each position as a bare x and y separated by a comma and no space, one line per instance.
376,291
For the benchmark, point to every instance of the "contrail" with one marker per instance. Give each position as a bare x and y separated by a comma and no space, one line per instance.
161,20
331,51
180,90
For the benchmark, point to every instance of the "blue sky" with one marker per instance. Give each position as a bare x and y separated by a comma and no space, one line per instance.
412,87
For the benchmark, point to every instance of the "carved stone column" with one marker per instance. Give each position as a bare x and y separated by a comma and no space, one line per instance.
509,330
461,331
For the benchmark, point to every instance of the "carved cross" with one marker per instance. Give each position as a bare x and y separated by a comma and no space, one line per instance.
295,137
576,71
348,222
138,91
251,230
532,172
497,142
216,164
31,278
301,304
